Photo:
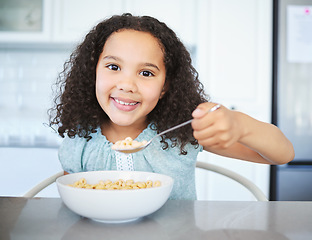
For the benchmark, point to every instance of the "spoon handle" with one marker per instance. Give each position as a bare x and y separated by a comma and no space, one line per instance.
175,127
184,123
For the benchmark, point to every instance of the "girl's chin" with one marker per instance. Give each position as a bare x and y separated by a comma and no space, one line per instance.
122,124
122,121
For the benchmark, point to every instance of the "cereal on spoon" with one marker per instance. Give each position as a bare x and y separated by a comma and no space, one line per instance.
128,143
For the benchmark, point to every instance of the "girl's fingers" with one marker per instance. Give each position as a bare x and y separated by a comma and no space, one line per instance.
202,117
214,129
204,133
202,109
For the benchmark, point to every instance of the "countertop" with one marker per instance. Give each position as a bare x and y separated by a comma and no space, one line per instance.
49,218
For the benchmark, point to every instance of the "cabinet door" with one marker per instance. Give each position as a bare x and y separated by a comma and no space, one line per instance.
73,19
179,15
23,22
234,63
238,53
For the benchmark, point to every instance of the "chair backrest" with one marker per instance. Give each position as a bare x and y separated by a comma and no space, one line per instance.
259,195
40,186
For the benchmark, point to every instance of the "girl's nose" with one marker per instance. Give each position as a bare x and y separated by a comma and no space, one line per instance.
127,84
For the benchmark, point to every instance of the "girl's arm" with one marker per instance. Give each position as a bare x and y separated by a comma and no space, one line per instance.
237,135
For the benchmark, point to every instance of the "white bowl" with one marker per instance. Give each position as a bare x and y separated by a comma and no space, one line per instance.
114,205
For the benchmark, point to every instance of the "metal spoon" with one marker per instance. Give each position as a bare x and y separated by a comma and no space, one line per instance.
133,150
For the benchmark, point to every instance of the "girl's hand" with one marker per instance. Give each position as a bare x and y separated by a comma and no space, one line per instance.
237,135
218,129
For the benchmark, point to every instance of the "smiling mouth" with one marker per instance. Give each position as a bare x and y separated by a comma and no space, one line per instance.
126,103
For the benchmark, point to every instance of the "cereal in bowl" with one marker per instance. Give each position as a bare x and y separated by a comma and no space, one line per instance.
119,184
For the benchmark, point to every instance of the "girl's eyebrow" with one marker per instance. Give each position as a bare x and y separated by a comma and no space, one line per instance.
118,59
112,57
151,65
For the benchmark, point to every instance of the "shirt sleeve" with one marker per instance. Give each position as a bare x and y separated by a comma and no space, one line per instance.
70,154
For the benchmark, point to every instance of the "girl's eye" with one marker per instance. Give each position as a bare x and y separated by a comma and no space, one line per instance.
113,67
146,74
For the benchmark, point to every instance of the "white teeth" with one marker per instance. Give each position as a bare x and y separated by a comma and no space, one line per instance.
124,103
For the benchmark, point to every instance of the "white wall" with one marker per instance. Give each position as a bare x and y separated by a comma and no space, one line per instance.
26,78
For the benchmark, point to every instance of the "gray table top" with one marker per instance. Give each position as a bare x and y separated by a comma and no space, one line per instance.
49,218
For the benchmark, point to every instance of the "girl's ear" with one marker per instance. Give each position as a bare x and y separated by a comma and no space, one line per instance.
164,90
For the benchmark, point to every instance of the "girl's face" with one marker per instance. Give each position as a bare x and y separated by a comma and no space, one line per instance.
130,77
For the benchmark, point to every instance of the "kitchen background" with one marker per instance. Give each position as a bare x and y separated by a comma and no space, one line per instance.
231,46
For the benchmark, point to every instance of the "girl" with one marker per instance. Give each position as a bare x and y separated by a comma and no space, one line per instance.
132,77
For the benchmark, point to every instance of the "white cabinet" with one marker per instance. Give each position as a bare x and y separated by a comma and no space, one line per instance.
234,63
73,19
179,15
66,21
24,168
42,15
236,54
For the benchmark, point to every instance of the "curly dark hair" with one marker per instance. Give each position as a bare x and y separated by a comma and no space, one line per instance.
77,111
